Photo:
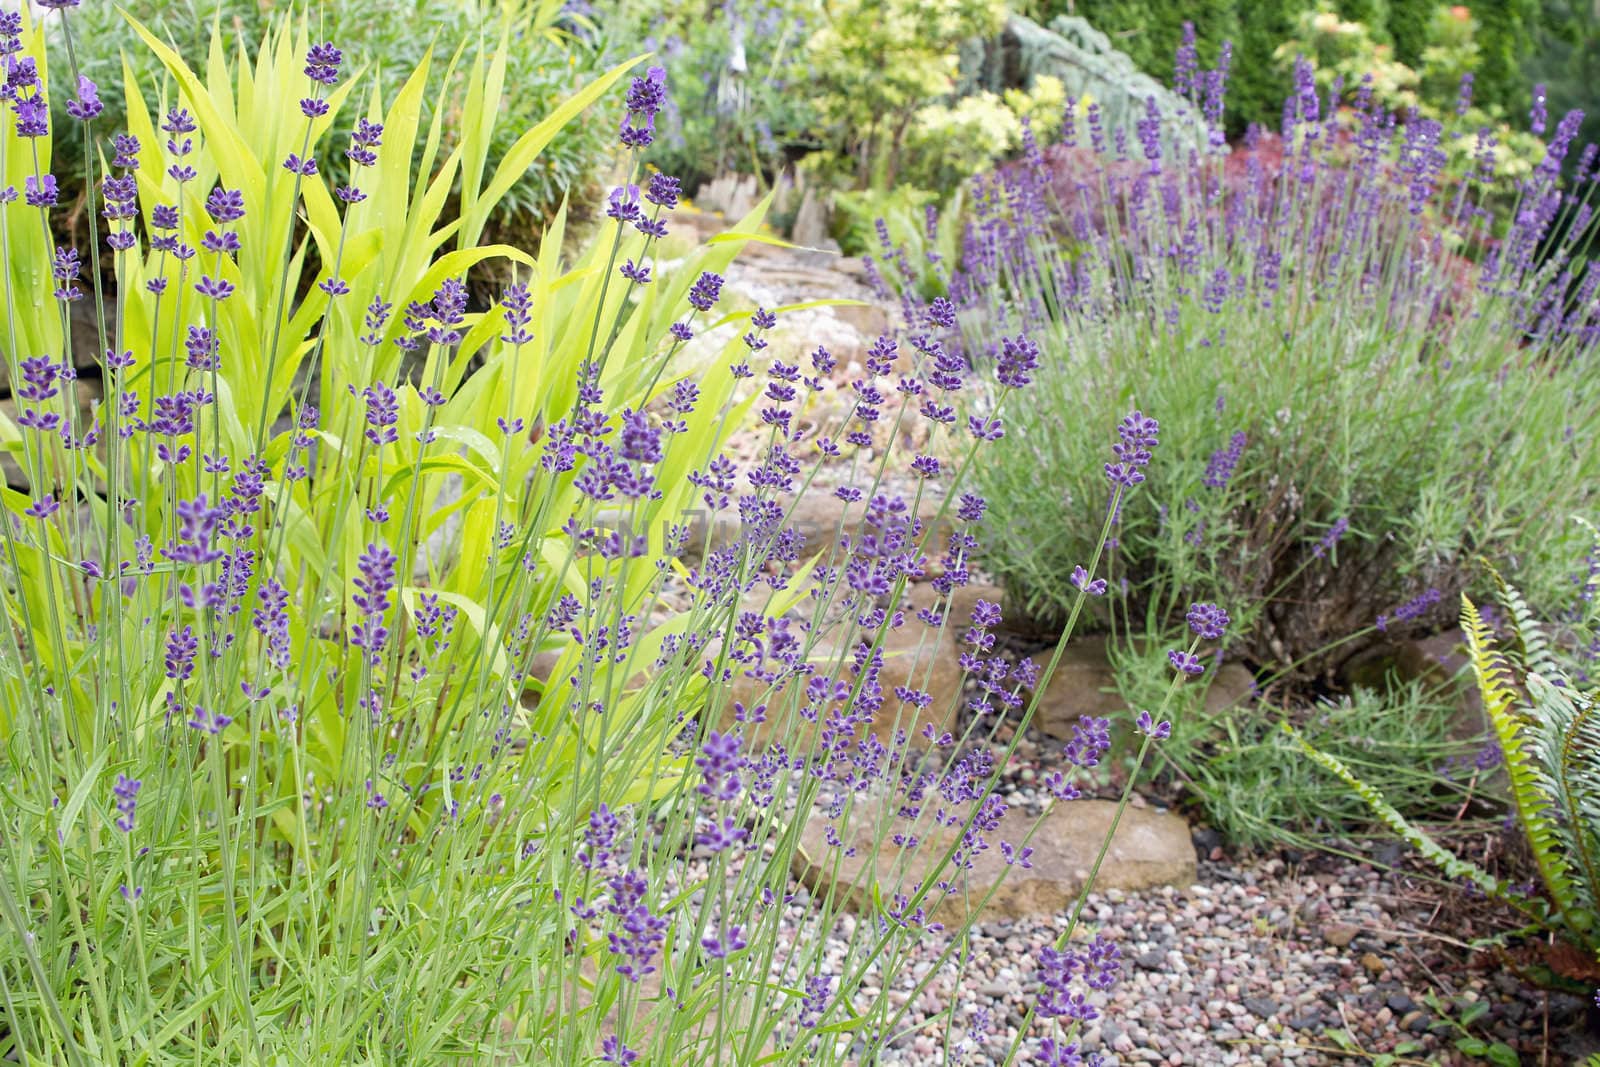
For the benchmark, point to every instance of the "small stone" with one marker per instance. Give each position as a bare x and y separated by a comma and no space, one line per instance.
1339,935
1414,1021
1399,1003
1373,964
1261,1007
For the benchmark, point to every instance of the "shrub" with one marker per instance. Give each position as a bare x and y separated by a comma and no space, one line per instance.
1407,29
1354,365
288,778
739,74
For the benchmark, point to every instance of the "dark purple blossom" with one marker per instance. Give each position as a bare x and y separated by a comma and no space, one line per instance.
1185,662
645,97
322,63
1208,620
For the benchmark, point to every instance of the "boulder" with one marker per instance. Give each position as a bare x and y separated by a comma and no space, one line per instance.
914,656
1149,849
1085,683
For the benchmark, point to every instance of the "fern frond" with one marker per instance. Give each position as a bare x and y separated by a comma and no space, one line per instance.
1497,687
1532,651
1578,775
1452,865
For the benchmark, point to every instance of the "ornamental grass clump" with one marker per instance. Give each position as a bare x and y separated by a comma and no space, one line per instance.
365,692
1357,360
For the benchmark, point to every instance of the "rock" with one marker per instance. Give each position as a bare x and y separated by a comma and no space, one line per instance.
1084,683
914,656
1373,964
813,221
1439,660
870,320
1339,935
1261,1006
1149,849
696,1017
734,195
696,225
1231,685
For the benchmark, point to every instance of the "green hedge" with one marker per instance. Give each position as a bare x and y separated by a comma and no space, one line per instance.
1150,31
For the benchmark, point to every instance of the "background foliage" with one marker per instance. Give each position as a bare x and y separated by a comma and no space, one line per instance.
389,37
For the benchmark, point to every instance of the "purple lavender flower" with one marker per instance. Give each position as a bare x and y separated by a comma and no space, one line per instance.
1219,471
1185,662
1080,579
1207,620
1414,608
721,836
126,794
1091,739
623,204
1156,731
640,933
375,582
819,990
1137,436
612,1050
41,191
322,63
1538,116
645,98
1019,358
87,104
225,205
206,722
1330,538
664,191
705,291
383,411
720,763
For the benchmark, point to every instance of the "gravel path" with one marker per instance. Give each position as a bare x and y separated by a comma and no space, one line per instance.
1256,965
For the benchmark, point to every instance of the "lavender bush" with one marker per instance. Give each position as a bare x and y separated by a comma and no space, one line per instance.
386,726
1357,363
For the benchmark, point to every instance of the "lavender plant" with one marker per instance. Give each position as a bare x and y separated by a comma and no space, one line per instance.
359,707
1355,359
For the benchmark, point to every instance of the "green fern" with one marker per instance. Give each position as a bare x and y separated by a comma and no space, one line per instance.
1532,651
1520,736
1549,736
1452,865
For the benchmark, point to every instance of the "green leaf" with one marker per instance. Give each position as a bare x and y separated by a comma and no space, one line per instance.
80,794
520,156
1503,1055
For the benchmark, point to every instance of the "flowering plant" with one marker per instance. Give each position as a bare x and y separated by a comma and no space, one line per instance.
363,681
1333,330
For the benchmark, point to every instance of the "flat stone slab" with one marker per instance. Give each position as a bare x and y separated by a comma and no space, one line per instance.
1150,849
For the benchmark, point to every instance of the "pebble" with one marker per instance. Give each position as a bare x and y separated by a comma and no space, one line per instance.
1339,935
